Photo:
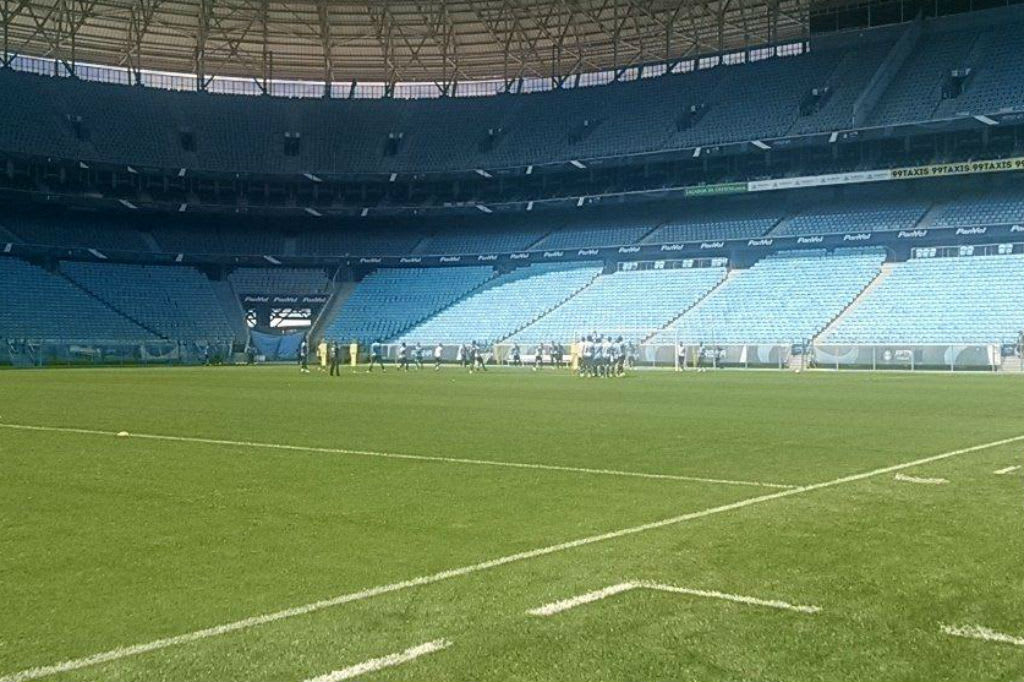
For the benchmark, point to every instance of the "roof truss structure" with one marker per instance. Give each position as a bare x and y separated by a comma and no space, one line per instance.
387,41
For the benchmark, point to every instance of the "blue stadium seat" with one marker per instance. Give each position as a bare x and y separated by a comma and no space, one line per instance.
177,302
40,305
279,281
970,299
508,303
788,297
390,300
627,303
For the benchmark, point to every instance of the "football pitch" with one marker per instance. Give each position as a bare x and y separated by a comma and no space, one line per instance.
259,524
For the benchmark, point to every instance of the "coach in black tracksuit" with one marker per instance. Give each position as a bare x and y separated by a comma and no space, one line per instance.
334,357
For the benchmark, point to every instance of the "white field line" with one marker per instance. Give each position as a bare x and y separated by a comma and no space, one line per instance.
579,600
375,664
392,455
254,621
916,479
1008,470
738,598
982,633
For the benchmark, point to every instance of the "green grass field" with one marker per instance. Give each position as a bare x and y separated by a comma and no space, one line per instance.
110,542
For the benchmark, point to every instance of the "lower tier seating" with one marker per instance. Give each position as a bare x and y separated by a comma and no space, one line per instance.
971,299
507,304
627,303
788,297
389,300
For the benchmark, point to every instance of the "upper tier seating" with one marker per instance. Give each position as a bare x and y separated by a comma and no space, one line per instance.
388,301
995,83
279,281
177,302
757,100
916,91
505,305
971,299
788,297
777,86
847,82
627,303
39,305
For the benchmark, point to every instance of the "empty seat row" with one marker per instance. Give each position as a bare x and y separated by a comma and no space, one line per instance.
785,298
970,299
176,302
279,280
508,303
389,300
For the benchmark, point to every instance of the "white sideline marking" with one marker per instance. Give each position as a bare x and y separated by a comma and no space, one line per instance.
982,633
393,455
1008,470
375,664
566,604
253,621
916,479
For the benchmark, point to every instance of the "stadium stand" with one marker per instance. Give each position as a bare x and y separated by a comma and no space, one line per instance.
788,297
376,242
390,300
89,121
483,237
845,84
39,305
607,227
631,303
777,85
507,304
970,299
279,281
210,238
852,217
1003,207
252,242
74,230
916,91
703,221
192,241
994,83
176,302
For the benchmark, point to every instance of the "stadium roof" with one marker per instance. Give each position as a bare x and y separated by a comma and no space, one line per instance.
390,41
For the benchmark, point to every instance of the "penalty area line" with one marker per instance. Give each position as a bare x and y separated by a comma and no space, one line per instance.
918,479
254,621
394,455
375,664
571,603
982,633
